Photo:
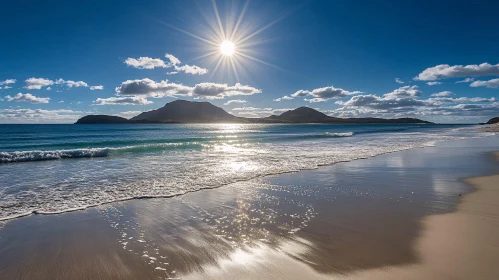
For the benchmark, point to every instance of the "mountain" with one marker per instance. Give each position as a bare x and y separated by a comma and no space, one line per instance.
101,119
182,111
493,120
309,115
301,115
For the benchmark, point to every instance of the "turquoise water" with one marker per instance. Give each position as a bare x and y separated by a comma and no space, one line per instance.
57,168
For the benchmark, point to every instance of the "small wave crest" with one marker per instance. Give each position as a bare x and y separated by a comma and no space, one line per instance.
23,156
324,135
338,134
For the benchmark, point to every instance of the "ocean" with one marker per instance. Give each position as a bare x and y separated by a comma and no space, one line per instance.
58,168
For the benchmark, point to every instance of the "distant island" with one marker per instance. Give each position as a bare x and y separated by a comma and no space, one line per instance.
493,120
183,111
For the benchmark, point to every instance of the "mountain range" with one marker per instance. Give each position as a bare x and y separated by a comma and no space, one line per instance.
183,111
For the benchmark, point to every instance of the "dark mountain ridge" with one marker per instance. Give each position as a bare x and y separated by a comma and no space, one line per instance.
182,111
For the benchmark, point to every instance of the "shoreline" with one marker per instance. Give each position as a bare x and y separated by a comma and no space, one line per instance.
5,220
490,128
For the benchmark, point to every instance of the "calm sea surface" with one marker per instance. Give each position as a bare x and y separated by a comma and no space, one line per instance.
58,168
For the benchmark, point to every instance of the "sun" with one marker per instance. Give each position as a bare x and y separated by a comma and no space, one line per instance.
227,48
231,42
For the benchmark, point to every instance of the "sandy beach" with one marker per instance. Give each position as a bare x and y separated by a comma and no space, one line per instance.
491,128
395,216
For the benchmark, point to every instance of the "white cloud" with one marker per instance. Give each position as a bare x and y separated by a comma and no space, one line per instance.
494,83
376,102
38,83
151,88
38,116
71,83
234,101
467,80
8,81
217,91
151,63
173,60
446,71
397,80
443,93
191,69
443,100
257,112
283,98
27,97
251,109
404,92
96,87
324,93
129,100
146,63
433,83
407,104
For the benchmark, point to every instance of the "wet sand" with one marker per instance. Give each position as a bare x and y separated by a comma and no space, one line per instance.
491,128
378,218
459,245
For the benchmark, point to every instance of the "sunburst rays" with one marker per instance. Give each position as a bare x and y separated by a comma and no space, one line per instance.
227,39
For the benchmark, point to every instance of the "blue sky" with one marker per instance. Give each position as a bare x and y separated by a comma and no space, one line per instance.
60,60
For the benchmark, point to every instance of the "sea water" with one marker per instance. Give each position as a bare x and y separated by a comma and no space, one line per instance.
57,168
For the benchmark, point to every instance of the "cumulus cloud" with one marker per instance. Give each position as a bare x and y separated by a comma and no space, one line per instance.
96,87
324,93
7,82
446,71
191,69
38,83
442,100
188,69
27,97
129,100
397,80
234,101
405,103
251,109
38,116
257,112
152,63
283,98
151,88
146,63
71,83
467,80
494,83
376,102
433,83
443,93
217,91
403,92
173,60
